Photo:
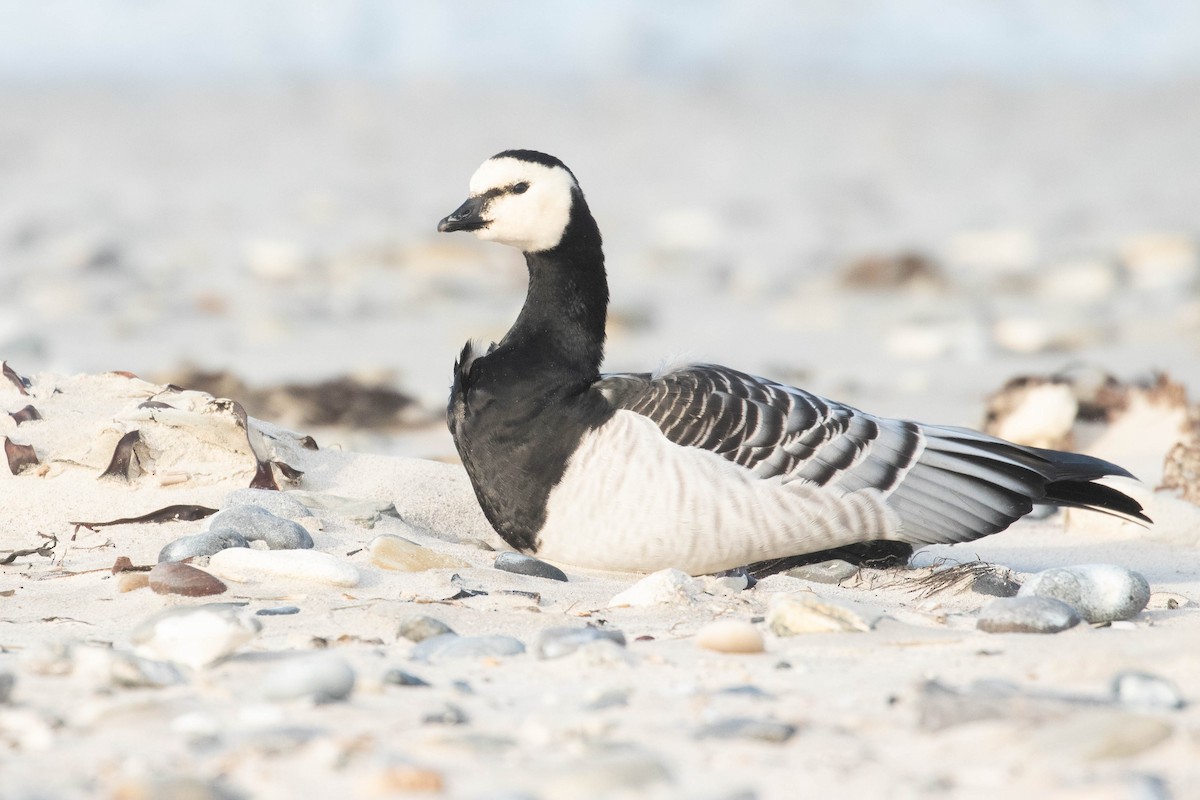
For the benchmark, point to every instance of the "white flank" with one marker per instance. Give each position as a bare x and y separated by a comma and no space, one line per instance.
533,221
631,500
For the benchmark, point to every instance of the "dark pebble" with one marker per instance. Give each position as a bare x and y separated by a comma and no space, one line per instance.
527,565
449,715
995,584
201,544
277,611
398,677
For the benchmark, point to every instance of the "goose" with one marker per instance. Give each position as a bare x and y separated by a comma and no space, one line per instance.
700,467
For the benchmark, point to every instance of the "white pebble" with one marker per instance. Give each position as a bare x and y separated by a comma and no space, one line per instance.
242,565
663,587
790,614
730,636
195,635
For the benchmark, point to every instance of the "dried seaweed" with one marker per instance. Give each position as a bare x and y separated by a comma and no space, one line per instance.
45,550
26,414
309,443
290,473
264,477
186,513
124,463
955,578
20,456
14,378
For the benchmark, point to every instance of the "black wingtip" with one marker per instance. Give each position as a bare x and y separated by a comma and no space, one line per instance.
1097,497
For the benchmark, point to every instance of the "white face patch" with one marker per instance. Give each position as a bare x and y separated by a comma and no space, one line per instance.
532,221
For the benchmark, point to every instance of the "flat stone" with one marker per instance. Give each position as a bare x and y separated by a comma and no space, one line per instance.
1027,615
420,627
1142,690
201,544
449,647
449,714
833,571
242,565
363,512
730,636
763,730
667,586
131,581
195,635
281,504
559,642
398,677
528,565
257,524
277,611
173,578
395,552
1099,592
791,614
321,678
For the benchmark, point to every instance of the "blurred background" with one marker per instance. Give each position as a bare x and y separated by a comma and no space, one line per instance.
901,205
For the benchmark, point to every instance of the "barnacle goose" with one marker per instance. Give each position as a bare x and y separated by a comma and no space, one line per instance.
702,468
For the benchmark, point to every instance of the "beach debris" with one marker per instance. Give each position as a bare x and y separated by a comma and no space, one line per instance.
1099,592
420,627
319,678
20,456
398,677
528,565
176,513
26,414
908,271
16,380
397,553
46,550
1141,690
833,571
244,565
730,636
980,577
127,457
277,611
174,578
257,524
667,586
124,564
1181,467
195,636
288,505
559,642
7,682
1038,411
763,730
450,647
1027,615
201,544
802,612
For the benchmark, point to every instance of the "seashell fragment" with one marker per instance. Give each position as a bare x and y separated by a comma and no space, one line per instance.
125,463
20,456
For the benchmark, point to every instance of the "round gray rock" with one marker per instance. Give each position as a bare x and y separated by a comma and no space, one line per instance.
281,504
321,678
420,627
1027,615
257,524
201,544
1099,592
559,642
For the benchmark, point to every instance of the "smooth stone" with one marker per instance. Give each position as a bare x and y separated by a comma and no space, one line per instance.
243,565
322,678
395,552
277,611
995,583
1142,690
257,524
398,677
420,627
111,667
132,581
791,614
730,636
195,635
171,577
449,647
7,682
559,642
449,714
528,565
1099,592
201,544
764,730
365,513
667,586
281,504
1027,615
833,571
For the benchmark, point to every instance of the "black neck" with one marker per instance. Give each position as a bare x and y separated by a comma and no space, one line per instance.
561,325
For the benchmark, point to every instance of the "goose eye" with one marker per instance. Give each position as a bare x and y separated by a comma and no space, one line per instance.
520,188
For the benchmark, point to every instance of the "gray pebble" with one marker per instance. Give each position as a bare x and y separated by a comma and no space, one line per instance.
201,544
764,730
1099,592
746,690
259,525
833,571
277,611
398,677
450,714
1145,691
994,583
1027,615
322,678
7,681
528,565
419,627
449,647
559,642
281,504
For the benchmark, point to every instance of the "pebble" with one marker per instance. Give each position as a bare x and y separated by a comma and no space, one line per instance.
449,714
195,635
243,565
357,510
730,636
171,577
277,611
395,552
833,571
281,504
321,678
1027,615
257,524
763,730
7,682
449,647
420,627
790,614
1142,690
131,581
108,666
398,677
528,565
607,772
201,544
667,586
1099,592
559,642
995,583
